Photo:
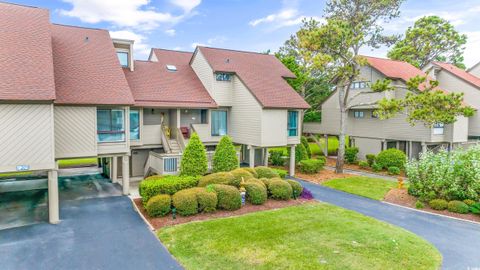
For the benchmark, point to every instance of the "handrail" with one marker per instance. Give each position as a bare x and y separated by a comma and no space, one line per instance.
180,139
165,141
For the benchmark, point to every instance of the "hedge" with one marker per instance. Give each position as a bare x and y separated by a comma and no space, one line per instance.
169,184
229,197
194,160
311,166
256,193
391,158
265,172
280,189
240,173
159,205
225,157
282,173
225,178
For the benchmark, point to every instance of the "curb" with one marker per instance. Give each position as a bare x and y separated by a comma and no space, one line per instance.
140,214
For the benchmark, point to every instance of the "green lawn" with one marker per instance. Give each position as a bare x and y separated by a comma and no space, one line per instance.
65,163
316,150
312,236
373,188
14,174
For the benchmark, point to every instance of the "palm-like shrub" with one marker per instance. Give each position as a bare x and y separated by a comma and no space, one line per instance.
225,158
194,159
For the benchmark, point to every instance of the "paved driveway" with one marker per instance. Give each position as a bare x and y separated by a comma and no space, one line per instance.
99,233
458,241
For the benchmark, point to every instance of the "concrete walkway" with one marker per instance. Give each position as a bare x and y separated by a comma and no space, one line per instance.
100,233
458,241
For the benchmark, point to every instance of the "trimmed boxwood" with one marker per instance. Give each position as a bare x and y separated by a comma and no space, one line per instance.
458,207
391,158
363,164
370,159
376,167
393,170
280,189
252,171
240,173
206,200
438,204
351,154
265,172
225,178
258,181
185,201
296,187
169,184
225,157
256,193
159,205
281,173
266,181
229,197
311,166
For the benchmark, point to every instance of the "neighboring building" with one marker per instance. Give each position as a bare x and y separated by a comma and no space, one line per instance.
73,92
372,135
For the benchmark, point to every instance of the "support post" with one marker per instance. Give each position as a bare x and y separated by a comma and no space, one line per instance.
265,157
410,149
424,147
53,204
114,172
251,156
325,150
125,175
384,145
291,172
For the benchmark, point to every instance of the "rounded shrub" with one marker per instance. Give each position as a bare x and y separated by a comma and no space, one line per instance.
304,142
229,197
276,157
393,170
458,207
240,173
265,172
225,178
256,193
419,204
297,188
252,171
257,181
363,164
194,159
376,167
370,159
391,158
266,181
469,202
280,189
225,157
438,204
159,205
185,202
168,184
311,166
206,200
351,154
282,173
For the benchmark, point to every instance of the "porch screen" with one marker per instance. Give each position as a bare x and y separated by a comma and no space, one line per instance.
292,123
110,125
219,123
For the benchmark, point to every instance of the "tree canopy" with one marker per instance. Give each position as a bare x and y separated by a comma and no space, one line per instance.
430,39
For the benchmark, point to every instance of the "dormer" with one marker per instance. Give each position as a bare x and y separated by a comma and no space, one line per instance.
124,50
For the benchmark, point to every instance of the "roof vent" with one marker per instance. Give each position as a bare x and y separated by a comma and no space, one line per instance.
171,68
227,60
86,39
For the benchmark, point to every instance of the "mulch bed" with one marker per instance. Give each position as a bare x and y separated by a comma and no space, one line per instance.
332,161
401,197
160,222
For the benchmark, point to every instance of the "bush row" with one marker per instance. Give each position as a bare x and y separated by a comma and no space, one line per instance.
455,206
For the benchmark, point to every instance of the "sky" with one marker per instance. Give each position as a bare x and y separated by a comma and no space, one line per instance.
252,25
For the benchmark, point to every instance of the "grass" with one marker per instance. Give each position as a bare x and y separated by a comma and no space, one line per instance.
373,188
316,150
311,236
77,162
14,174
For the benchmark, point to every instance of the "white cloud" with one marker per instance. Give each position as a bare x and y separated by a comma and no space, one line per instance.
215,41
170,32
139,14
195,44
472,53
283,18
141,48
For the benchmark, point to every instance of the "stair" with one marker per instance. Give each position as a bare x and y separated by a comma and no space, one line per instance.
174,147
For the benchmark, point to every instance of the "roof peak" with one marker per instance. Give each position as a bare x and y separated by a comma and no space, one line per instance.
233,50
23,5
170,50
82,27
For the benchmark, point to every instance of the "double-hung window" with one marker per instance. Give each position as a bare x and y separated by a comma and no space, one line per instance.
358,114
134,124
219,122
110,125
292,123
438,129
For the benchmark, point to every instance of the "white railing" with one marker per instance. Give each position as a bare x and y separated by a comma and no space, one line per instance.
180,139
165,141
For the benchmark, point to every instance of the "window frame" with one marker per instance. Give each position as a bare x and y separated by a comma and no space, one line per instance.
111,131
361,114
127,53
438,129
223,77
289,121
130,126
216,134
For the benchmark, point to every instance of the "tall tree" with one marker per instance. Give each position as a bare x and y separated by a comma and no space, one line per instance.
430,39
334,46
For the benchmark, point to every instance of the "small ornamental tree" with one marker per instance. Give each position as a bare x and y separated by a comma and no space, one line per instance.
300,153
304,141
194,159
225,158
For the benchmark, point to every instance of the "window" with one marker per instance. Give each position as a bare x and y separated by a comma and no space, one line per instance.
438,129
134,125
171,68
292,123
219,123
358,114
359,85
223,77
203,116
110,125
123,58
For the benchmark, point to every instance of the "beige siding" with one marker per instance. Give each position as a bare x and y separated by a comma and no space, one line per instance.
475,70
26,136
75,132
367,146
245,116
221,92
274,127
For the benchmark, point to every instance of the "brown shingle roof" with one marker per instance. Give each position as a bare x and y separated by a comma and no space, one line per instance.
394,69
462,74
25,54
264,75
153,85
87,70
